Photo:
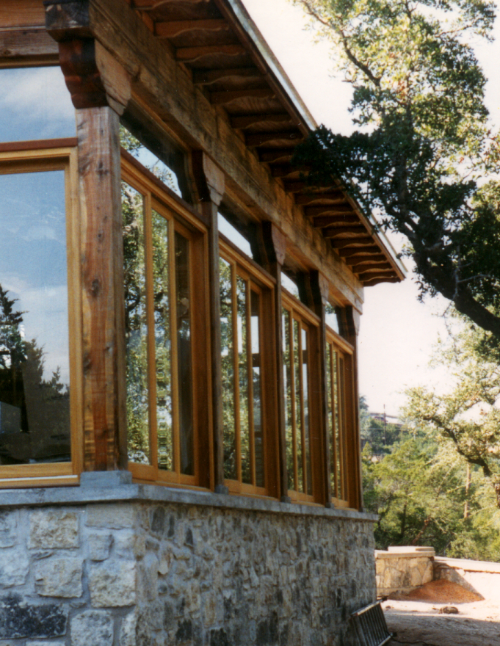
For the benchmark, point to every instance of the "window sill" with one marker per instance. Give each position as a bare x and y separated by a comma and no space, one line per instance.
110,487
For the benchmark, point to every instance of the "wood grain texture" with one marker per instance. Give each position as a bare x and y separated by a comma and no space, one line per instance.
35,44
102,290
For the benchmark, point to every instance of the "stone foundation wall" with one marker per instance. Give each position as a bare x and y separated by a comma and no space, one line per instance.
215,571
402,569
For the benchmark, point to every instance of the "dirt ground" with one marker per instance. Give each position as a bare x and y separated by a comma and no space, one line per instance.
415,618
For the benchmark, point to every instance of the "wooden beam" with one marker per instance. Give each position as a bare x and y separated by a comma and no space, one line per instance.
247,120
36,44
334,209
372,258
150,5
224,98
275,154
287,170
352,242
377,281
101,253
210,183
367,266
327,220
334,197
209,77
298,186
347,253
368,275
193,54
261,138
334,232
175,28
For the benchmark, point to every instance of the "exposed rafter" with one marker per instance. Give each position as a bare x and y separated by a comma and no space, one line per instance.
298,186
224,98
367,266
334,209
352,242
335,232
288,170
193,54
377,281
328,220
175,28
247,120
150,5
346,253
209,77
261,138
275,154
373,258
334,197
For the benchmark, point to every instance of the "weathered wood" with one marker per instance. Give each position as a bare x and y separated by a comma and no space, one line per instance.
261,138
193,54
368,266
298,186
377,281
63,19
102,284
209,77
226,97
326,220
210,183
287,170
335,232
35,44
150,5
347,253
275,251
371,258
178,27
333,209
154,72
334,197
39,144
247,120
26,14
362,243
275,154
371,275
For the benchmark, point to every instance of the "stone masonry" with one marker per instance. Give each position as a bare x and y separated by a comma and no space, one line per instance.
402,569
155,573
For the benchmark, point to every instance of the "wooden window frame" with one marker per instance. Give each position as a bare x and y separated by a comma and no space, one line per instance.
40,156
260,281
345,394
181,218
309,320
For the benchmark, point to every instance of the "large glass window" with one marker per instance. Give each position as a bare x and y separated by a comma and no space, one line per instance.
160,378
34,344
35,104
241,301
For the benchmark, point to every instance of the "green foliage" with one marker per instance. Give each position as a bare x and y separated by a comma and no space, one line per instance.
423,140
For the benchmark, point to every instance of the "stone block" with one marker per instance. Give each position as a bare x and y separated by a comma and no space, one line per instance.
8,528
99,546
53,529
128,630
44,643
92,628
14,568
112,516
113,584
20,619
59,578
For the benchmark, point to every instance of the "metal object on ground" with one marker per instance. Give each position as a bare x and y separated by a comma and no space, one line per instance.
371,627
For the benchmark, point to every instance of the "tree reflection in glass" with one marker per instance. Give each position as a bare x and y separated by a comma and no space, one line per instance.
34,344
289,410
227,334
305,399
136,330
258,430
244,412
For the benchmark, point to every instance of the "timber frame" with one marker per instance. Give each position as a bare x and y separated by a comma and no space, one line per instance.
198,72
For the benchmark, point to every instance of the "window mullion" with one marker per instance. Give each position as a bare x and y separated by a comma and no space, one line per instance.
237,407
174,368
302,415
294,408
251,428
153,439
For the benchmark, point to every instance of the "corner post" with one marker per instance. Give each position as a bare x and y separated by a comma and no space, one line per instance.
100,90
210,183
274,248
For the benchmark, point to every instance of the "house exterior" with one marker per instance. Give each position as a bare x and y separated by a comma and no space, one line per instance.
179,436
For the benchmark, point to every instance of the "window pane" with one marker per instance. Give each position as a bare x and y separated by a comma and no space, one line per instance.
35,104
241,301
163,348
232,234
338,447
298,404
228,412
341,430
287,367
34,349
257,390
184,367
305,392
331,430
136,332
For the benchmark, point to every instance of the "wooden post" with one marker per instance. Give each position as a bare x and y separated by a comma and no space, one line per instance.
274,250
350,321
100,90
320,291
210,184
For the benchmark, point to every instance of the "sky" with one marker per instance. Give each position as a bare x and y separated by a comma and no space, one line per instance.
398,333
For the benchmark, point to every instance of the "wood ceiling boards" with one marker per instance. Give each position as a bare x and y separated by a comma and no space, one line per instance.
213,44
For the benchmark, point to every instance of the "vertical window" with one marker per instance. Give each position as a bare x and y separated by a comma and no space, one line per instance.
158,278
241,302
337,358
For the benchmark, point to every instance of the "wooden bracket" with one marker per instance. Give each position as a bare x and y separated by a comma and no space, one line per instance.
209,178
274,243
93,76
